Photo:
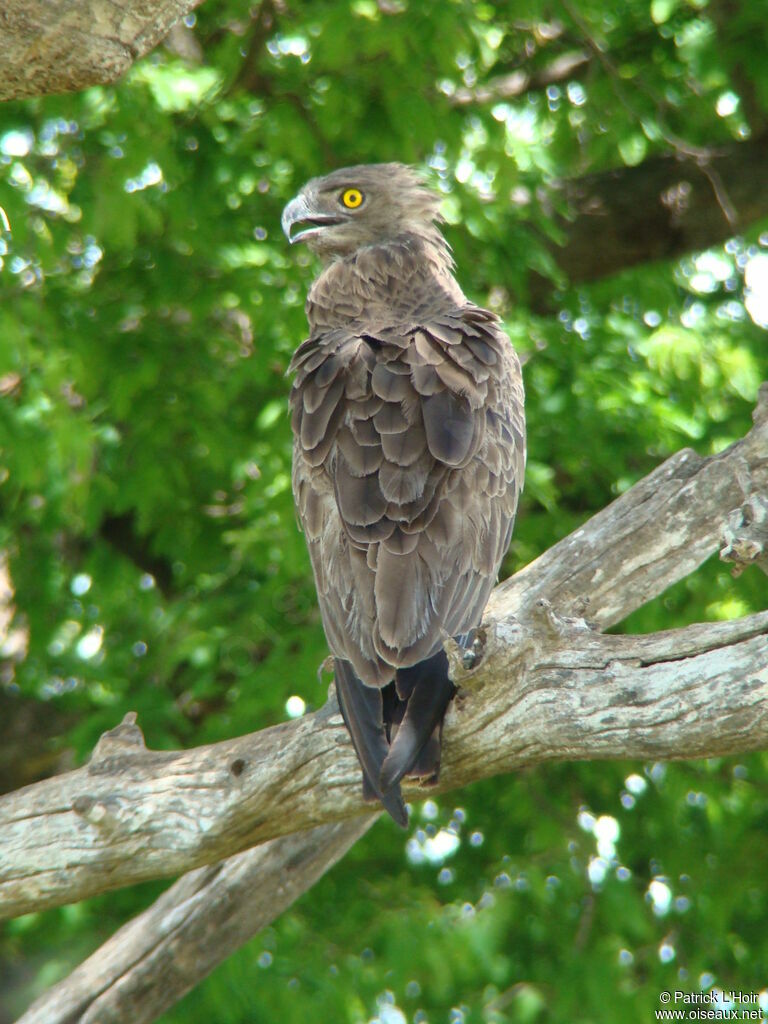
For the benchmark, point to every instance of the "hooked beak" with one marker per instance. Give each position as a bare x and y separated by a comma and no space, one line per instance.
299,212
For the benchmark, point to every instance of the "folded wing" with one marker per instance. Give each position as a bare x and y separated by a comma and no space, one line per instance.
408,464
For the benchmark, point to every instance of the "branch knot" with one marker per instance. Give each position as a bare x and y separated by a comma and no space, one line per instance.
744,537
556,625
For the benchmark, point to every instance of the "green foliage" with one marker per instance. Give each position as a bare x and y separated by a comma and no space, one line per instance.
148,310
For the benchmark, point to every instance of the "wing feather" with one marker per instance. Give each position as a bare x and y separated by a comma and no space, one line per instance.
450,427
408,465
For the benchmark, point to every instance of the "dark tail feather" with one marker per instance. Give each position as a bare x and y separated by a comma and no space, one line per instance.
416,745
362,709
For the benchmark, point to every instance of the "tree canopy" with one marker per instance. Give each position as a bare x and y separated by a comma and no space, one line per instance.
604,192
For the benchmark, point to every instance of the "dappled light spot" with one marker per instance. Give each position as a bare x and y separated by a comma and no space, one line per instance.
387,1010
421,848
636,784
17,142
89,645
667,952
727,104
80,584
660,896
597,869
429,810
295,707
756,297
151,175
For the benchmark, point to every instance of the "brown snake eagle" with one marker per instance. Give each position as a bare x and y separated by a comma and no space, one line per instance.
408,459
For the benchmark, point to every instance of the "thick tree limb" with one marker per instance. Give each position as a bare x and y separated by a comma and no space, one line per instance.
133,814
197,923
702,690
552,689
661,209
53,46
701,684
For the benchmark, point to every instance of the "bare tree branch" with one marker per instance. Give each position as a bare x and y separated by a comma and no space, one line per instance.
673,694
546,687
702,690
60,47
133,814
155,959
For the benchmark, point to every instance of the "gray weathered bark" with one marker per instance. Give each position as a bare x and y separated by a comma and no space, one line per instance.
745,535
60,46
133,814
160,955
576,694
702,690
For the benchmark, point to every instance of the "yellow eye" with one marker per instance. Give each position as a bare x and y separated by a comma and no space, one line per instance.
352,198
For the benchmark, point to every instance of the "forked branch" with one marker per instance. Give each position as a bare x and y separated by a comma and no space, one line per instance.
548,692
548,686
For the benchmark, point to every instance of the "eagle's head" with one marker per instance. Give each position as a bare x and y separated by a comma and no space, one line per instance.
359,206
